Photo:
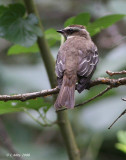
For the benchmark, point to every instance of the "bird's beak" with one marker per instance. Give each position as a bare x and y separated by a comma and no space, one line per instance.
60,31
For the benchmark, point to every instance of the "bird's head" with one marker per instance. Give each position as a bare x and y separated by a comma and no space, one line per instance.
74,30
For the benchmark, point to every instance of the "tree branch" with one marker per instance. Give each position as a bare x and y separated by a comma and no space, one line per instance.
124,99
124,112
107,81
98,95
115,73
27,96
89,100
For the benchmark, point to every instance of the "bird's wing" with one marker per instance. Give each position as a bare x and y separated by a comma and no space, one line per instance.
60,65
87,63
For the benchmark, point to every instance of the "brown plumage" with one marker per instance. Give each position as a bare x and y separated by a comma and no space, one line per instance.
76,62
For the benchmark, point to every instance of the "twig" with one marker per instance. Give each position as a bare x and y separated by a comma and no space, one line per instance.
37,121
116,73
124,99
117,118
45,120
107,81
98,95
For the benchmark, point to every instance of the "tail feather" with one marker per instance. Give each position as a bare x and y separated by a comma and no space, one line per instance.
66,94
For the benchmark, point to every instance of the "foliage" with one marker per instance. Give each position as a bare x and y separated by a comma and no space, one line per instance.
16,27
83,19
96,26
122,141
51,35
102,23
16,106
16,49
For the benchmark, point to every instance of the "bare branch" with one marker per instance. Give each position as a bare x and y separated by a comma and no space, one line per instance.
124,99
117,118
98,95
116,73
91,99
113,83
39,122
107,81
27,96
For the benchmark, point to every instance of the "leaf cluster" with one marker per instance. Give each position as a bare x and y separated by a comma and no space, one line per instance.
18,28
83,19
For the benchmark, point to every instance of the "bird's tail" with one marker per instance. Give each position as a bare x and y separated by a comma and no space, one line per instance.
66,94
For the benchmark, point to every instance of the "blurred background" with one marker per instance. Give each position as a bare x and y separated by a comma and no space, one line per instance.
26,73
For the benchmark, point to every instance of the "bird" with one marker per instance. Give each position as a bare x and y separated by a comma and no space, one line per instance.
76,62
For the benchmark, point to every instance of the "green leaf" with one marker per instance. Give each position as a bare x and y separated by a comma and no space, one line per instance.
121,147
98,25
121,135
103,22
17,106
82,19
2,9
17,49
16,9
52,36
51,42
17,28
69,21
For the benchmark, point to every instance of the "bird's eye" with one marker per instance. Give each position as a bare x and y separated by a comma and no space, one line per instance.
70,31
